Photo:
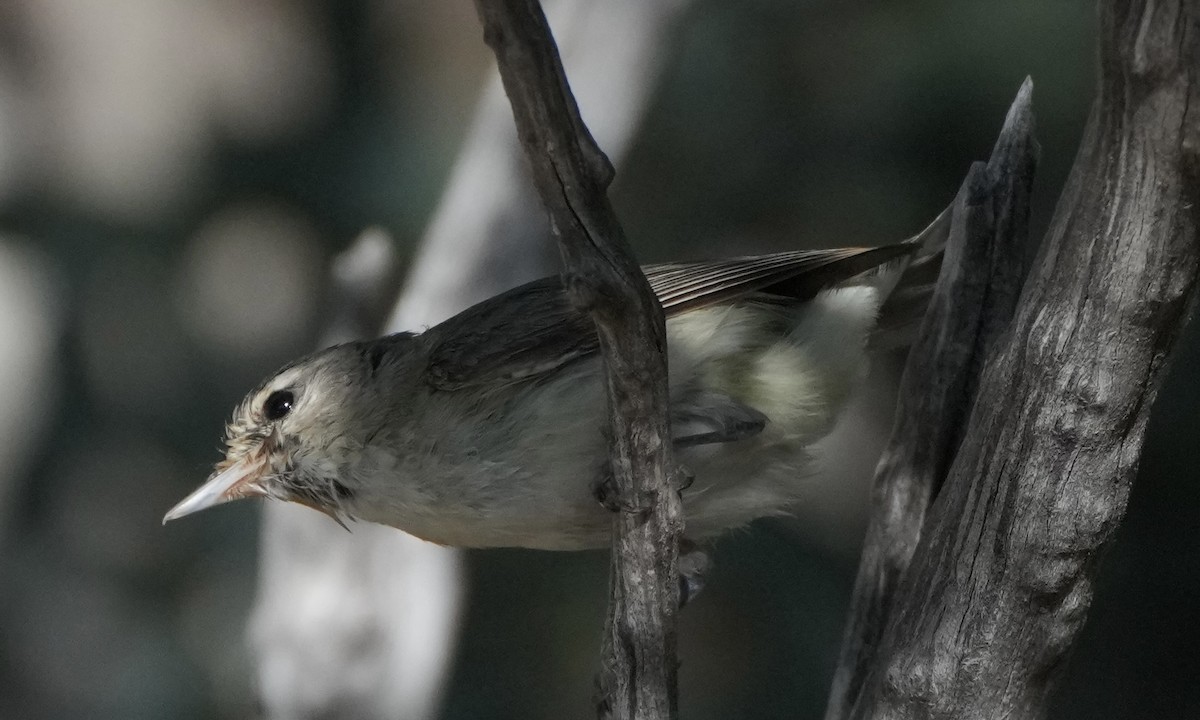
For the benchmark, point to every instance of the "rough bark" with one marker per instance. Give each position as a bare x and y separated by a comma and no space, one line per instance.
974,299
571,173
979,622
363,624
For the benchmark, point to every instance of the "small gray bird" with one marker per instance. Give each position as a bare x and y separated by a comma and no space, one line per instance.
487,430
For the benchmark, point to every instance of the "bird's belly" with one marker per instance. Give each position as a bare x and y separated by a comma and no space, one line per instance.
531,494
548,532
552,506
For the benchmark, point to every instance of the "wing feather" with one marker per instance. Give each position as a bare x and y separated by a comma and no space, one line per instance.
532,330
798,275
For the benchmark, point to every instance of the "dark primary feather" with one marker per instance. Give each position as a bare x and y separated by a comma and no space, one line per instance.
797,275
532,330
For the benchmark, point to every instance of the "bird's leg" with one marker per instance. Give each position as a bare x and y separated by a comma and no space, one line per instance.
684,478
735,431
710,418
693,566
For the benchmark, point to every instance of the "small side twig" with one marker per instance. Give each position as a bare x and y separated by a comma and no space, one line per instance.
601,275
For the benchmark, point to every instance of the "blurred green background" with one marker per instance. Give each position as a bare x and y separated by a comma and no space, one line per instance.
174,178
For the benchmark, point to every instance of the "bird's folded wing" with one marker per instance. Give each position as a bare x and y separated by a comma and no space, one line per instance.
798,275
530,331
522,334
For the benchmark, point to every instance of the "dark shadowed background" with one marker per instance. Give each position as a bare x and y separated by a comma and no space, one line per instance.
174,178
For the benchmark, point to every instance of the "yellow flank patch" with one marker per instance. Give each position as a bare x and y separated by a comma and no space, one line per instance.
791,392
795,364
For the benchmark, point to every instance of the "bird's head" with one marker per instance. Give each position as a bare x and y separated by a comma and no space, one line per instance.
293,436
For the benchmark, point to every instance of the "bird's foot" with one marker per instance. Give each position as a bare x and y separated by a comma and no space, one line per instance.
684,478
604,489
694,564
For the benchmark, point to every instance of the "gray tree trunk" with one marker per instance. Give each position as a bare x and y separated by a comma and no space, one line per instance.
978,567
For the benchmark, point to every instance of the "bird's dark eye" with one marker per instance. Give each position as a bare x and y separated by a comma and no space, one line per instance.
278,404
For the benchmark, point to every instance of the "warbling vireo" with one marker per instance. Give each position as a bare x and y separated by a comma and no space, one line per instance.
487,430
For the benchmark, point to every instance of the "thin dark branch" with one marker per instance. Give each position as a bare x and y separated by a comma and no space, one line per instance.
974,299
638,678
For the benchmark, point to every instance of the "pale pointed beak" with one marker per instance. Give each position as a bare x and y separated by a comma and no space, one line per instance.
238,481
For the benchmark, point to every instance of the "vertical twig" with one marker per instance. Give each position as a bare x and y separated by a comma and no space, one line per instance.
638,678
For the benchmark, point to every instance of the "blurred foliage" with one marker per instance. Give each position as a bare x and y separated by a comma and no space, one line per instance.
176,254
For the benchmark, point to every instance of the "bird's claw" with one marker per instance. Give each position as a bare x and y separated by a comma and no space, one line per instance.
684,478
606,493
693,566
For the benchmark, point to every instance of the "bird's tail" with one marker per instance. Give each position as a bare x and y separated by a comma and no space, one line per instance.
907,287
